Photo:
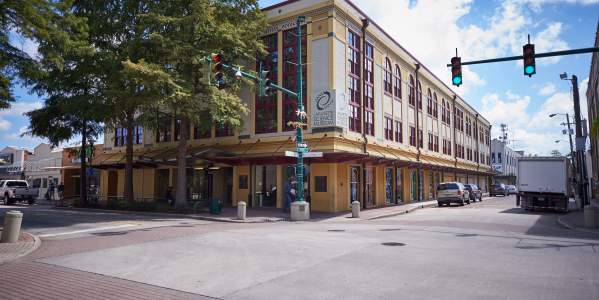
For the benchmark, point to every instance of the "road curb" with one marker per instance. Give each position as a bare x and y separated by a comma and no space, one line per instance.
401,212
37,242
565,224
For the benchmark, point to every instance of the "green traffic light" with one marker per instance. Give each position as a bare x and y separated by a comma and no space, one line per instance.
529,70
457,80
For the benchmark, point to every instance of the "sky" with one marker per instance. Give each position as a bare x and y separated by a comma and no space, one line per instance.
432,29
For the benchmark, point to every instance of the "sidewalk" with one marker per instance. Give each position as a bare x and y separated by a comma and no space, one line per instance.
10,251
267,215
575,218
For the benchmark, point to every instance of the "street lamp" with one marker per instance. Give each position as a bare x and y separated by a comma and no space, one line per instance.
568,123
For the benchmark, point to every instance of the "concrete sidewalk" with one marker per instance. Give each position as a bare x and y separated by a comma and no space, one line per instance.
26,244
575,218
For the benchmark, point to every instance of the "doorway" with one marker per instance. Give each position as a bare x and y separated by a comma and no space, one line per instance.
354,184
113,181
265,186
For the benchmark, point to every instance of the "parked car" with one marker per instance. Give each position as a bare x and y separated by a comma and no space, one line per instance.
474,191
17,190
452,192
511,190
498,189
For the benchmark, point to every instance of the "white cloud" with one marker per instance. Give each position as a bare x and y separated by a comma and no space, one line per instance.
547,89
5,125
16,110
433,32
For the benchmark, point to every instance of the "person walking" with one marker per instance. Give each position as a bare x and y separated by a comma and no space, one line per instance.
289,193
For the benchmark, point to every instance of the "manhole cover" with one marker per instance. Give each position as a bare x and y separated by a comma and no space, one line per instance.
336,230
466,235
393,244
391,229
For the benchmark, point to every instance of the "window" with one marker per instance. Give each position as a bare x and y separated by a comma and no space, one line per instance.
493,157
388,80
320,183
419,94
243,182
353,78
199,133
475,135
369,89
436,144
448,112
475,156
163,132
420,138
398,132
446,147
443,111
468,126
411,93
499,157
290,75
458,119
397,86
435,106
388,128
266,107
120,138
412,136
223,129
429,104
430,141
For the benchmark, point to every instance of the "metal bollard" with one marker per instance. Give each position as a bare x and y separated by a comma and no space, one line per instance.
590,217
12,226
355,209
241,208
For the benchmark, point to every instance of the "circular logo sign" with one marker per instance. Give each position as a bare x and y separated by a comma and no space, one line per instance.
323,100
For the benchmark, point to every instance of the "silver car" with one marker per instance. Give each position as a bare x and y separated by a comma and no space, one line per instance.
511,189
452,192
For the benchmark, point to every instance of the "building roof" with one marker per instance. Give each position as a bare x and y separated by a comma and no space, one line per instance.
372,22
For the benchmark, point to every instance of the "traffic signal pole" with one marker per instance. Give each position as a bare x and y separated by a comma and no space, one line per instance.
537,55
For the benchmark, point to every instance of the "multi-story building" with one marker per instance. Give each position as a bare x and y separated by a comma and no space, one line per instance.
12,162
43,168
504,161
389,129
593,110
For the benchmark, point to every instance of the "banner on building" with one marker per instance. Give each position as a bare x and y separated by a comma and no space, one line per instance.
497,168
329,109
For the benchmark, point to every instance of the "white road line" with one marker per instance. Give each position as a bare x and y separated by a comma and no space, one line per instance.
86,230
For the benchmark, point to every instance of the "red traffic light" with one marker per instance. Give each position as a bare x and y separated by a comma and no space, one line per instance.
217,58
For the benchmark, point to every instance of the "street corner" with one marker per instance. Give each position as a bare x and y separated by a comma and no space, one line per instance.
575,220
26,244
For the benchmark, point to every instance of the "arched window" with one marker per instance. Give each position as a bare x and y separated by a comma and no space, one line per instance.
448,111
397,79
411,94
419,91
429,102
435,106
443,114
388,82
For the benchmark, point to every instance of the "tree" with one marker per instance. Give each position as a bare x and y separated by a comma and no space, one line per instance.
68,79
555,153
183,33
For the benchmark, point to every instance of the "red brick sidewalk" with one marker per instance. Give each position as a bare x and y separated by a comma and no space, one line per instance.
11,251
32,280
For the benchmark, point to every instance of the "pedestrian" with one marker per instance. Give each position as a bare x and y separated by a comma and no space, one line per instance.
289,193
169,196
50,192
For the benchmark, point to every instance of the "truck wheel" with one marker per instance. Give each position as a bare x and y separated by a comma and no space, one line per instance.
7,199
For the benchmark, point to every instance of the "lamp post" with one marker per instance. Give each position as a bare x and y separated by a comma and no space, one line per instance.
569,133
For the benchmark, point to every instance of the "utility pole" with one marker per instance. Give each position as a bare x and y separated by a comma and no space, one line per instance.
570,137
580,145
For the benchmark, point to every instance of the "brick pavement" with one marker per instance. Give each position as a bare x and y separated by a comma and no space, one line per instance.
11,251
33,280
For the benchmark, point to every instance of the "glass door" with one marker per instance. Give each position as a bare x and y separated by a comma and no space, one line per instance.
370,189
388,186
354,184
398,185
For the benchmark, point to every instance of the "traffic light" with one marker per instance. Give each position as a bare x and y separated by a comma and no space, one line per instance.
528,51
456,70
217,68
264,83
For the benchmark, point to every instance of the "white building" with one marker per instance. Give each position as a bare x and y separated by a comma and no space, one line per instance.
43,167
504,161
12,161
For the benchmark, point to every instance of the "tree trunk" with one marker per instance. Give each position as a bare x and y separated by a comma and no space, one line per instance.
82,156
181,195
129,158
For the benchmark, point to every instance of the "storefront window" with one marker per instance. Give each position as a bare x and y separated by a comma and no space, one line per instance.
370,188
354,184
398,185
265,186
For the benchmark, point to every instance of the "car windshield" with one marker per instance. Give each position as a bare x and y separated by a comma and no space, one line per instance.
447,186
17,184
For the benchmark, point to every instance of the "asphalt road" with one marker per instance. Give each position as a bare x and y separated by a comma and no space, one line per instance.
488,249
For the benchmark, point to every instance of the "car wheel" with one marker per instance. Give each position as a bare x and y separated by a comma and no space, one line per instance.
6,199
30,201
439,204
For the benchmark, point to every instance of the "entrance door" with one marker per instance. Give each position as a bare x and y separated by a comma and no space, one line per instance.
113,181
398,185
162,184
370,189
354,184
414,186
388,186
265,187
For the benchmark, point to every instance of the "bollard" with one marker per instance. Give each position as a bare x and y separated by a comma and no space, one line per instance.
241,206
355,209
12,226
590,217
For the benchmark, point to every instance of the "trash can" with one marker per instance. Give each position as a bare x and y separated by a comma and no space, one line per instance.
215,206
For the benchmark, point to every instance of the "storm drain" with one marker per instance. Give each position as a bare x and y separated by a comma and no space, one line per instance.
336,230
393,244
466,235
391,229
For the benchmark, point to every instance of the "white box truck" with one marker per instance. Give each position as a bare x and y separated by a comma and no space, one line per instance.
543,183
